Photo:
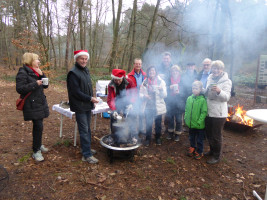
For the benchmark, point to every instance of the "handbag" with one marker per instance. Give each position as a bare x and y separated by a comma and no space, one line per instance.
20,102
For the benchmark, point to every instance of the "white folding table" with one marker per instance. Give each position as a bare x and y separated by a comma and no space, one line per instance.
261,116
100,108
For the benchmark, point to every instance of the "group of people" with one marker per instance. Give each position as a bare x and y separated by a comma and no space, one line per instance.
198,98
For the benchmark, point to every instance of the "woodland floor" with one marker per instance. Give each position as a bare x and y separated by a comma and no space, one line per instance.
157,172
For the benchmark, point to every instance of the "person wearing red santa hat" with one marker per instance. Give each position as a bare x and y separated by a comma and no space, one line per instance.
82,101
120,98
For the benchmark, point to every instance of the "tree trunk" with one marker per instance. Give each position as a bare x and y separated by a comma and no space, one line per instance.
80,19
68,37
132,49
149,38
115,38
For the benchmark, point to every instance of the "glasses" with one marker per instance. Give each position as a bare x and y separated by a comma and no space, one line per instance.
206,64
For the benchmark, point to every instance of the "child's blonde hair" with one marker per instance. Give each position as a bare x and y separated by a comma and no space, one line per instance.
176,68
197,84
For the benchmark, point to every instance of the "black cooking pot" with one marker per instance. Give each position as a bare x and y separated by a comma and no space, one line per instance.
120,132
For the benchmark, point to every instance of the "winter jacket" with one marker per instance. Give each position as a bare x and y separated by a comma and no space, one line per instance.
195,112
131,76
217,103
125,85
187,79
35,106
158,102
80,89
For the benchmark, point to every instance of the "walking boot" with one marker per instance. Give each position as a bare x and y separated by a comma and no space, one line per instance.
213,160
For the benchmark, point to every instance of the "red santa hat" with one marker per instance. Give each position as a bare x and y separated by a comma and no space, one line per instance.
118,73
81,53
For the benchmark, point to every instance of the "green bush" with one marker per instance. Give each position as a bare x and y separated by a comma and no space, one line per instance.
245,80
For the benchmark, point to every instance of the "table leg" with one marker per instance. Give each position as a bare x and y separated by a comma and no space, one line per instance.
61,123
75,134
95,122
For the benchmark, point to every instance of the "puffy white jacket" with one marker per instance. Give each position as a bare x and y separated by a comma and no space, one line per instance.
159,97
217,103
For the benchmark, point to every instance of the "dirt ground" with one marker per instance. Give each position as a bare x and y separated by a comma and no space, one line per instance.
157,172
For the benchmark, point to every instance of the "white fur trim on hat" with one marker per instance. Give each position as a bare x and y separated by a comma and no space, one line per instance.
116,77
81,53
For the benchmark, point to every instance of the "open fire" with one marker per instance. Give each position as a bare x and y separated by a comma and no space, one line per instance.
239,116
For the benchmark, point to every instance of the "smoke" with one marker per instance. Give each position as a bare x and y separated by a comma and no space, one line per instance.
218,30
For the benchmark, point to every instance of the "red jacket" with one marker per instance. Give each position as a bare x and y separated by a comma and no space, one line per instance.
112,93
131,76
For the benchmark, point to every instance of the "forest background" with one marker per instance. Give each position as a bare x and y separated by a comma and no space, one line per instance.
115,32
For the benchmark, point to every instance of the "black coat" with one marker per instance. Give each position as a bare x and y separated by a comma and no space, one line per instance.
35,106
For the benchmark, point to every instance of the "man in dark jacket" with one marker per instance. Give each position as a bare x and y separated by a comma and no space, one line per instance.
205,72
81,101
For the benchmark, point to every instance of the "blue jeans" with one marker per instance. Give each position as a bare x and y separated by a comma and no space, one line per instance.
83,121
150,117
196,137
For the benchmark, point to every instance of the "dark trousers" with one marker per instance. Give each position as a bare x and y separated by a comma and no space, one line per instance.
214,128
83,121
37,132
150,116
196,139
175,115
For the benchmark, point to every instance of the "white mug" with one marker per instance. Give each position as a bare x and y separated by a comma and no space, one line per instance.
45,81
175,87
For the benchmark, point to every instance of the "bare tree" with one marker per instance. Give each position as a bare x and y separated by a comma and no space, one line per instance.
115,38
149,38
69,29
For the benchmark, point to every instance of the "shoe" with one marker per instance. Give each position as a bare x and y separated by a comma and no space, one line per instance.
158,141
191,152
176,138
170,136
44,149
147,143
178,132
198,156
209,153
93,151
213,160
90,159
38,156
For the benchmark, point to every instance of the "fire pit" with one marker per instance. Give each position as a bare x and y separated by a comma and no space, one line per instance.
238,120
125,150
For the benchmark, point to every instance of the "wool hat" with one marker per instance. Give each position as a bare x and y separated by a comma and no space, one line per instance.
118,73
81,53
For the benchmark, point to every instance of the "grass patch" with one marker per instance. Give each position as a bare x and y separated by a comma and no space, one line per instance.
182,198
65,142
171,161
207,186
10,78
24,158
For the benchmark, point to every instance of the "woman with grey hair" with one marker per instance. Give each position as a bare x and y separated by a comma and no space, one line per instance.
218,93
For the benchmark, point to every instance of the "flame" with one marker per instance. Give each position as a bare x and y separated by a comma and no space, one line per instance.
242,115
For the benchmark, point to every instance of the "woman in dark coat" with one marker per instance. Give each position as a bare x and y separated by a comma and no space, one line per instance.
29,79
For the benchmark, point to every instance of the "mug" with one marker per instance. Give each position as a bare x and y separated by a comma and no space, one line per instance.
45,81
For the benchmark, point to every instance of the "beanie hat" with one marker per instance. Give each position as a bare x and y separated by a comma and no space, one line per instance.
81,53
118,73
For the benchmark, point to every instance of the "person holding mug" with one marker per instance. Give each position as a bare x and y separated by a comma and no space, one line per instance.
153,91
29,80
218,93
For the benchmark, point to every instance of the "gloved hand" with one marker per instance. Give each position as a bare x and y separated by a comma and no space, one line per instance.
129,107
